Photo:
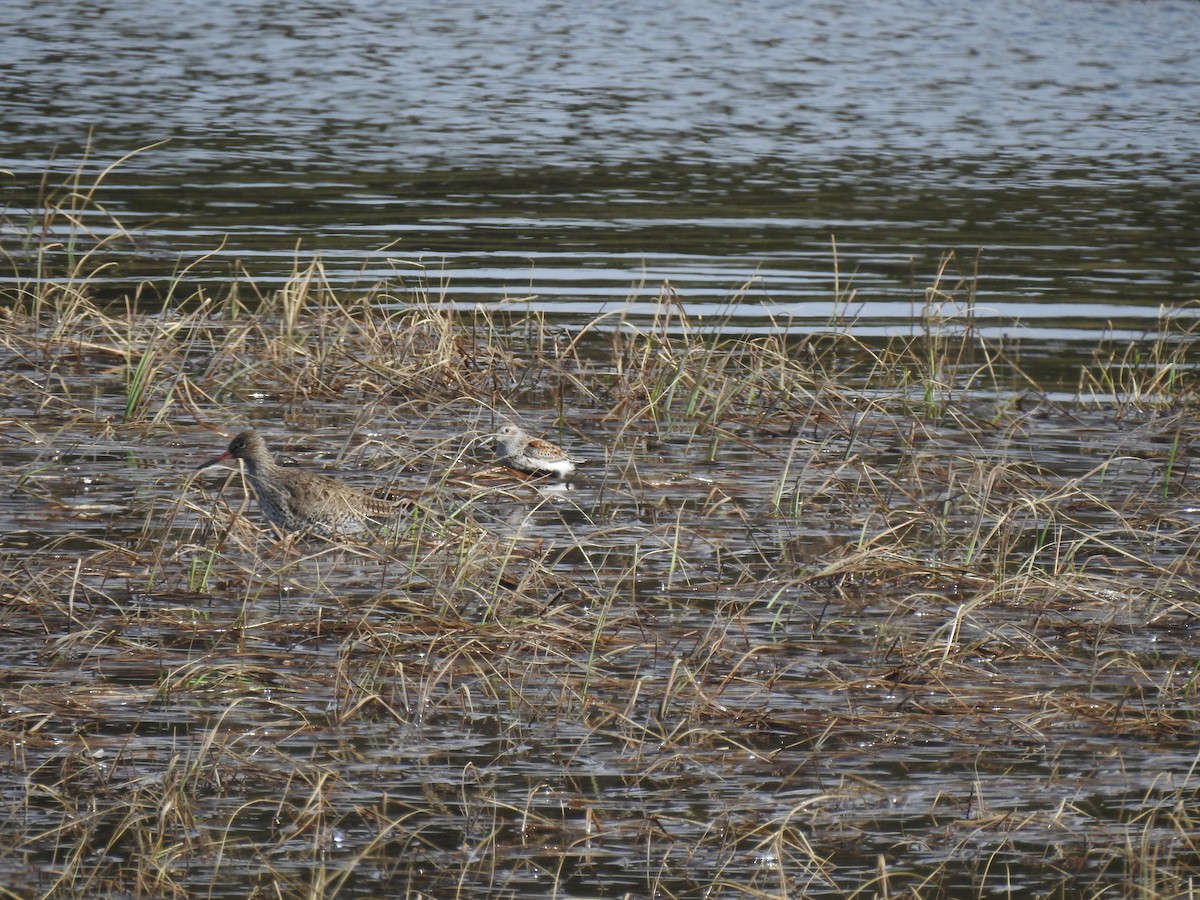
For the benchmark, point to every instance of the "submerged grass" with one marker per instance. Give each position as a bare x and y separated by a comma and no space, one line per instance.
822,616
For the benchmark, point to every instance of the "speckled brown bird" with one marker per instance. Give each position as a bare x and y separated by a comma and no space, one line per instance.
531,455
297,501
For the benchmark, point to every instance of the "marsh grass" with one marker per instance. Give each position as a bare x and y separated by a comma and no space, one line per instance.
821,616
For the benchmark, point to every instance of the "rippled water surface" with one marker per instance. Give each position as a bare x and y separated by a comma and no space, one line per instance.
693,695
576,156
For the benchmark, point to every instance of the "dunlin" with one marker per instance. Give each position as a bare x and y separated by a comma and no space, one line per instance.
520,451
298,501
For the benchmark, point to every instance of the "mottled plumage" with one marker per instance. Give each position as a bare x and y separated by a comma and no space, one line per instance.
518,450
295,500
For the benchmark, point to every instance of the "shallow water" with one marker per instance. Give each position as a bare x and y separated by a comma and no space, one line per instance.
693,693
722,695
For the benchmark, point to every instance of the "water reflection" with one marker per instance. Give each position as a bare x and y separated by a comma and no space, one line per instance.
536,83
581,155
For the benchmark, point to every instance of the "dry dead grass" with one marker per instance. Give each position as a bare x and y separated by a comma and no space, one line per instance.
827,617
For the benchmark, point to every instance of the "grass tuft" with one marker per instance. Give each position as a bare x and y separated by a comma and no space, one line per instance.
821,616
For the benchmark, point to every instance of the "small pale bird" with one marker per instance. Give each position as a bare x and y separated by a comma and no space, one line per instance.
297,501
531,455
